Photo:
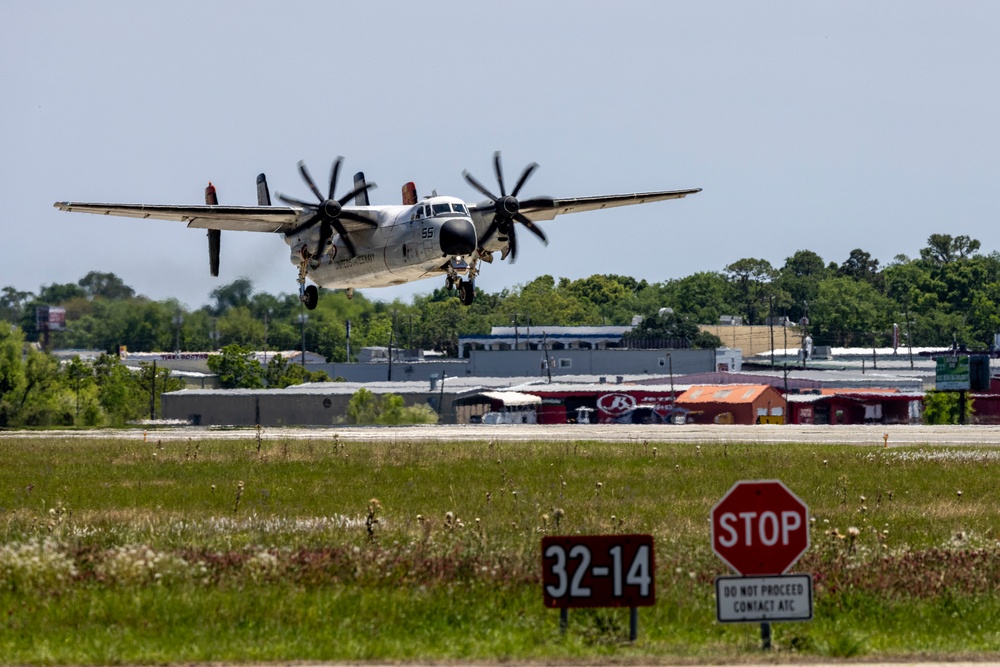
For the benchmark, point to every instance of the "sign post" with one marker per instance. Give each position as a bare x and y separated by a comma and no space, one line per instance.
760,529
599,571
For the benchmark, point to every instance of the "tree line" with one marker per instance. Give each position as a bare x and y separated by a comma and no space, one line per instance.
949,293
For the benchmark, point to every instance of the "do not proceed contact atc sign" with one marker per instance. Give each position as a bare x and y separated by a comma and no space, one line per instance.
752,599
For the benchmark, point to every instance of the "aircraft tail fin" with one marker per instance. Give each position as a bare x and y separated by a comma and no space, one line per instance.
214,235
361,199
263,196
410,193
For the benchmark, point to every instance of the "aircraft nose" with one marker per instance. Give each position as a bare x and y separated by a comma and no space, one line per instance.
458,237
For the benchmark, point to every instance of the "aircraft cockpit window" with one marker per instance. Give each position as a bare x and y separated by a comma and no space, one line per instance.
441,208
460,208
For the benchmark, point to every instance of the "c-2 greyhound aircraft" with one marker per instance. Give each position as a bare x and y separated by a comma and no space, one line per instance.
337,245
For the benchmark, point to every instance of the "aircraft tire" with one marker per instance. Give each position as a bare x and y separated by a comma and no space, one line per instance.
466,292
311,297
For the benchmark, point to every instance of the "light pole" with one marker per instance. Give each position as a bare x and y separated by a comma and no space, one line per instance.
302,322
178,321
670,364
267,315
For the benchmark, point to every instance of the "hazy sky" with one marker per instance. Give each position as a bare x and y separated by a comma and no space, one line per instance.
824,126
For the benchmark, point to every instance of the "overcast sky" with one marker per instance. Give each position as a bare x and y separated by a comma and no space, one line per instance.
824,126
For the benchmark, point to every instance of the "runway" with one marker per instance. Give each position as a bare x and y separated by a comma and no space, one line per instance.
870,435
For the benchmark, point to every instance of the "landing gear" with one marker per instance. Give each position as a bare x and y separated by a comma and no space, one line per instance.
310,297
466,292
307,295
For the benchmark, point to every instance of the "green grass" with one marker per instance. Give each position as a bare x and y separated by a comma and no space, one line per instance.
120,551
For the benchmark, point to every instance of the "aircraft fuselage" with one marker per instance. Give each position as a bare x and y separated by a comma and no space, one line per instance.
411,242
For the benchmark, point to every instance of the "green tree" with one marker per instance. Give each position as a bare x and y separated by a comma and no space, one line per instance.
943,407
98,285
56,294
799,278
365,407
944,249
671,325
12,303
849,312
749,278
233,295
237,368
860,265
281,374
11,374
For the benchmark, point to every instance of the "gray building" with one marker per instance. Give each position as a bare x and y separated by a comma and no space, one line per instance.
313,404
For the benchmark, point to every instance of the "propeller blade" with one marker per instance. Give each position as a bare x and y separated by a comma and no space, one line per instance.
325,232
492,229
524,177
292,201
498,170
305,225
344,236
334,172
309,181
532,227
479,186
512,242
350,215
355,192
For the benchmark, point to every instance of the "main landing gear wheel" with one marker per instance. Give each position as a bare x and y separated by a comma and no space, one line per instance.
310,297
466,292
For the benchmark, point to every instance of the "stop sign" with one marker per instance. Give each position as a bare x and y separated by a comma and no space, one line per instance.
760,527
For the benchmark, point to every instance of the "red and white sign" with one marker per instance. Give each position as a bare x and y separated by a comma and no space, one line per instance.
616,405
760,527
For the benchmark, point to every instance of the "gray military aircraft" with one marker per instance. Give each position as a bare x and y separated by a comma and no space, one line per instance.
339,244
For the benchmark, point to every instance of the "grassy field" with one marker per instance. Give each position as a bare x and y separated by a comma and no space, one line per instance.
120,551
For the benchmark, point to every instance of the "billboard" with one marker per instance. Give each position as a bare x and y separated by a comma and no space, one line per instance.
50,318
951,373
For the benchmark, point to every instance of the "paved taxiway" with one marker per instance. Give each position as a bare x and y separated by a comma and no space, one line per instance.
873,435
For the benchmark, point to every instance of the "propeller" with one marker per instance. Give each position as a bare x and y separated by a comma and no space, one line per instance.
329,212
506,207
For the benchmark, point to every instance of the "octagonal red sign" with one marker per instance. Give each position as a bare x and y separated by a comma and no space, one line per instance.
760,527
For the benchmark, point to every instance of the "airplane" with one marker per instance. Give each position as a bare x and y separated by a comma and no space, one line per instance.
337,244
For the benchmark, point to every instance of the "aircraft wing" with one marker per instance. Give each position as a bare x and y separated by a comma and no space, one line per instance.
547,208
275,219
235,218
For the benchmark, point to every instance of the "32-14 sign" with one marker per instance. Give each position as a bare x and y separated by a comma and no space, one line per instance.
598,571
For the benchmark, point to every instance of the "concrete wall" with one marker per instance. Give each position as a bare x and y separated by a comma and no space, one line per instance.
401,371
756,339
277,408
528,363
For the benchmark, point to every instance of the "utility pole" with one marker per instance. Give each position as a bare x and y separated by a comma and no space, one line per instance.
517,342
545,351
347,326
390,355
770,319
178,321
152,394
302,323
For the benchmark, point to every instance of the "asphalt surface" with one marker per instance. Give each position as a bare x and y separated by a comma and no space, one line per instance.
873,435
